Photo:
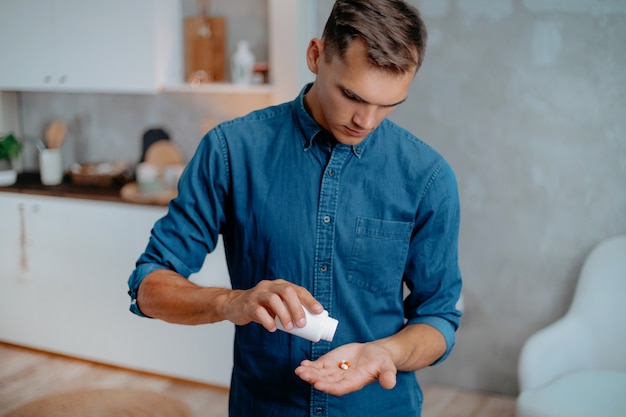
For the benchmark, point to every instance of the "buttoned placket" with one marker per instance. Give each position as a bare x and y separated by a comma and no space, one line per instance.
324,243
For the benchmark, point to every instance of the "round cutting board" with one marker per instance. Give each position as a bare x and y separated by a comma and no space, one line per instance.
163,153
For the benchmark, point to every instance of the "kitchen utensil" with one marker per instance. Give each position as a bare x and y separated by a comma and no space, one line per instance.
55,134
205,44
150,137
39,144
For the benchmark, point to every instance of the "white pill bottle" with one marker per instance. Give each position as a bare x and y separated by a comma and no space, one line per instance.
318,327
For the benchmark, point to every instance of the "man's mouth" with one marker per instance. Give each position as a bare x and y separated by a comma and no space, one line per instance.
356,133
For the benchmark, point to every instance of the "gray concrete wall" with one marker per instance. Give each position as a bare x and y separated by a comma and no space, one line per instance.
525,98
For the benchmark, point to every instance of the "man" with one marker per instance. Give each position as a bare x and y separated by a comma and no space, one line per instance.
322,203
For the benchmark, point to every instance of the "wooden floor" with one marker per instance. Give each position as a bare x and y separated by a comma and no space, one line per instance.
26,375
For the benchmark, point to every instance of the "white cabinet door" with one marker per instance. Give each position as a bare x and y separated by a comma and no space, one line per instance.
71,296
11,238
112,45
77,45
27,46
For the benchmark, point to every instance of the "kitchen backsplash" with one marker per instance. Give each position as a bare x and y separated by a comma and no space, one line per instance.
109,127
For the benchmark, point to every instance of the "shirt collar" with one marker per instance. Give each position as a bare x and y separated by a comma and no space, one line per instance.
309,128
311,131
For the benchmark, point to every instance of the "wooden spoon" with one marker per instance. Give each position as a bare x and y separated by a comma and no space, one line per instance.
55,134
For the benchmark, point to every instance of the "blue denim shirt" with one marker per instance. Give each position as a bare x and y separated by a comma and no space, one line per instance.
352,224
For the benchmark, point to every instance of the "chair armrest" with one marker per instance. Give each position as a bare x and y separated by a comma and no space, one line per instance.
557,349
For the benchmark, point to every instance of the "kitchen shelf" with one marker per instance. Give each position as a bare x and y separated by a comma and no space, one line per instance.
219,88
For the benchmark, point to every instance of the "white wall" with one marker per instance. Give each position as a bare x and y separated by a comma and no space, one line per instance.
9,118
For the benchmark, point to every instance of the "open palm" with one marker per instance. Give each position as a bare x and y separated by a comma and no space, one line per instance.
368,363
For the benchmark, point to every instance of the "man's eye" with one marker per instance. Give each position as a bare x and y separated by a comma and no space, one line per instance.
349,95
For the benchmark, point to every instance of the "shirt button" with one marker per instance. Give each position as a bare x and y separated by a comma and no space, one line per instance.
319,410
323,268
331,172
326,219
357,150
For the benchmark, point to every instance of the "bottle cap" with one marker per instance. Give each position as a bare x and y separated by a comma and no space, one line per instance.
329,328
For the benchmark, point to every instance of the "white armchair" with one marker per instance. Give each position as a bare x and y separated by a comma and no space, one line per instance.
577,365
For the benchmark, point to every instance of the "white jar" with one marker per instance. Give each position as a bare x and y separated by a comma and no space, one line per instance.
149,178
242,64
51,166
318,327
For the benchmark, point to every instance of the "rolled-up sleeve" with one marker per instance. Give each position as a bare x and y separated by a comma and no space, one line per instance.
181,239
432,275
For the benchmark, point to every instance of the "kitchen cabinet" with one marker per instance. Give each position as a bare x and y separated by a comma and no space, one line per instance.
77,45
134,47
64,264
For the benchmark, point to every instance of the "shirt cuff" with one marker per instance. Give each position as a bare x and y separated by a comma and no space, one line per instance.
133,285
446,328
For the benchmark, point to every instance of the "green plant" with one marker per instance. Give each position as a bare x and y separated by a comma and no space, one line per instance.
10,147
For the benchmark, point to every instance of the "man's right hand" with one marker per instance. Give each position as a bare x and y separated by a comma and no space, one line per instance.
270,299
166,295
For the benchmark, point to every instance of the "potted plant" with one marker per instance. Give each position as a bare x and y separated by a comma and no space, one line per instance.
10,149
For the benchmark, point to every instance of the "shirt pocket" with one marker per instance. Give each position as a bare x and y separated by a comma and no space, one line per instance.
379,254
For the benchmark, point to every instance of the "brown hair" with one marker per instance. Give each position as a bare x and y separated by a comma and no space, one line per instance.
393,31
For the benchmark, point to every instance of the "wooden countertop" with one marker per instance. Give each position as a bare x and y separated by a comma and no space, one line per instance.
30,183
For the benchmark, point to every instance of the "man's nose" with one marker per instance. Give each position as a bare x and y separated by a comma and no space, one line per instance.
365,116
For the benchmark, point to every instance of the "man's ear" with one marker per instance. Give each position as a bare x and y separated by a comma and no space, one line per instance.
314,53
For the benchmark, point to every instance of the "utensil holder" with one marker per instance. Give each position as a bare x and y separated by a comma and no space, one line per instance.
51,166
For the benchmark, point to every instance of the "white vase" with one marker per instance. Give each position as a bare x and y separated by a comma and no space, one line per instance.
8,175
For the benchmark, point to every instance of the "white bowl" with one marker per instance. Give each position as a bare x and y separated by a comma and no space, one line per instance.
8,177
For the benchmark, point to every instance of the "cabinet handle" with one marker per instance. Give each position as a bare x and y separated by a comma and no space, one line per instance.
62,79
23,255
46,79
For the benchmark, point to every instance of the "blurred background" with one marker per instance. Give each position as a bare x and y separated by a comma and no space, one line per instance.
525,98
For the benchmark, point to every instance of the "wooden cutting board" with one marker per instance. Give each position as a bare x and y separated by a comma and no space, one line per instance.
130,192
163,153
205,47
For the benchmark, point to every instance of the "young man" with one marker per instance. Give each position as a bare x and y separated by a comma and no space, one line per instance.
322,203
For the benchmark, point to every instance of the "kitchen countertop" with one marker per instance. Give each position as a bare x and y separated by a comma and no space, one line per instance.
30,183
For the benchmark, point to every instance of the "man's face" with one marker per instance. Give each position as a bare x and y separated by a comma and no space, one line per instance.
350,97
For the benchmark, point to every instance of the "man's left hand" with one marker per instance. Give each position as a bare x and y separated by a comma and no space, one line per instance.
368,362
